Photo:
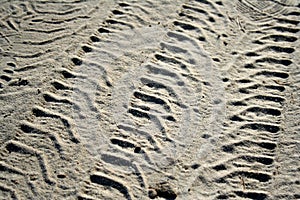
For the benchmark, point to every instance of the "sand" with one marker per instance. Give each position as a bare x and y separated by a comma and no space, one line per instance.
149,99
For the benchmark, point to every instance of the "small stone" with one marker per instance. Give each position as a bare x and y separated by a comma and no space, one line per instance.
152,193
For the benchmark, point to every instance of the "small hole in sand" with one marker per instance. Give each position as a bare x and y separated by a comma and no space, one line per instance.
61,176
137,149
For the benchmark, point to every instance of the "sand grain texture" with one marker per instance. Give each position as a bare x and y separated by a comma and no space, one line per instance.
149,99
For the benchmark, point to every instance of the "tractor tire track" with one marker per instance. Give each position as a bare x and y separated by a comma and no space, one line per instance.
257,89
38,139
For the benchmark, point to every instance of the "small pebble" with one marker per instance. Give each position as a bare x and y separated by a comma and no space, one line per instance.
152,193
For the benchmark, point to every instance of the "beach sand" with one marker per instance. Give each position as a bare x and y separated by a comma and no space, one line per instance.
109,99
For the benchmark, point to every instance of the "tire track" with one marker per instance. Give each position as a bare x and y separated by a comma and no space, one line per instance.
55,117
108,158
263,11
154,101
258,95
38,140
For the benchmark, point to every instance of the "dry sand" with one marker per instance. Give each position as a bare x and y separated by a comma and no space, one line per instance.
108,99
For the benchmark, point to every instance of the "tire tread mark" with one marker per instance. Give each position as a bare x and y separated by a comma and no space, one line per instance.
14,146
41,112
60,22
105,180
30,128
11,169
